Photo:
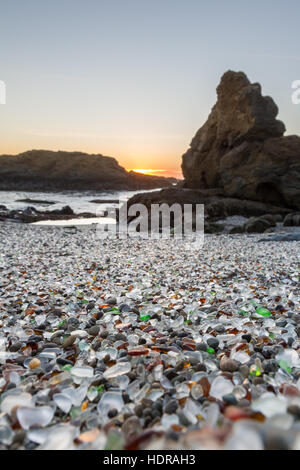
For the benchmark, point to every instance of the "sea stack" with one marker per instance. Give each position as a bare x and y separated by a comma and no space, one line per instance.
241,148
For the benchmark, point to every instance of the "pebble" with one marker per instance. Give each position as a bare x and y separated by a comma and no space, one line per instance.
131,426
34,363
171,407
247,338
139,411
68,341
230,399
294,410
15,346
156,341
228,365
94,330
244,370
213,343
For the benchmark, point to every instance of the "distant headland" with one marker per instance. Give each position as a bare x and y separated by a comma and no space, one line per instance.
45,170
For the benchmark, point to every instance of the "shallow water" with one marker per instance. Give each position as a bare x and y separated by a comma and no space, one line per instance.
81,221
79,201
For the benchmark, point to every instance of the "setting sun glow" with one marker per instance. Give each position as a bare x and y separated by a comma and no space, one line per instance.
144,171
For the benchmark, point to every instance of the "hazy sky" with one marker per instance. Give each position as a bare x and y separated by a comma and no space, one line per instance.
135,79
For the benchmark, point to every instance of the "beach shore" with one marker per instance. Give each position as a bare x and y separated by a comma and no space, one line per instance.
147,344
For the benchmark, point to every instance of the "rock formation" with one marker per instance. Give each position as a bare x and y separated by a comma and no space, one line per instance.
241,148
216,207
45,170
31,214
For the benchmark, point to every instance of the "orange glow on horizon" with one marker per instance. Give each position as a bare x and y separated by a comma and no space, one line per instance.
154,172
145,171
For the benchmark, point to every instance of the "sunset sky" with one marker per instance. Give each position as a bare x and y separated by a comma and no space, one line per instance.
134,79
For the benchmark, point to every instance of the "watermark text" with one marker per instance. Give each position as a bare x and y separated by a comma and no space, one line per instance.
2,92
296,93
158,222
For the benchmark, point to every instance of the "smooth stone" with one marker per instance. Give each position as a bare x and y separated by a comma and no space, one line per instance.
213,343
244,370
171,407
15,346
228,365
39,416
68,342
94,330
230,399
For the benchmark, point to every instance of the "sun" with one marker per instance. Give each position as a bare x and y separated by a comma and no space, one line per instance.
145,171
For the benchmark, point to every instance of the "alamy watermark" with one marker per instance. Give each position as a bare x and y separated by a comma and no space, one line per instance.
296,93
2,92
158,222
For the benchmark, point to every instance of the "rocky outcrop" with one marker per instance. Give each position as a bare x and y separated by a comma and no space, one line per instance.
241,148
239,164
217,207
31,214
44,170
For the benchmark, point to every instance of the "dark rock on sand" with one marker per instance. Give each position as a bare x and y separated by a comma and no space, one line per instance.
211,227
64,211
260,224
237,229
216,206
257,225
292,220
31,214
36,201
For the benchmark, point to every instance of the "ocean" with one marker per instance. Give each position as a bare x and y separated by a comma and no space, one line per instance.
79,201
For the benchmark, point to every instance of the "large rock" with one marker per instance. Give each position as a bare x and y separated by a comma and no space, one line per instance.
292,220
47,170
257,225
216,206
241,148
